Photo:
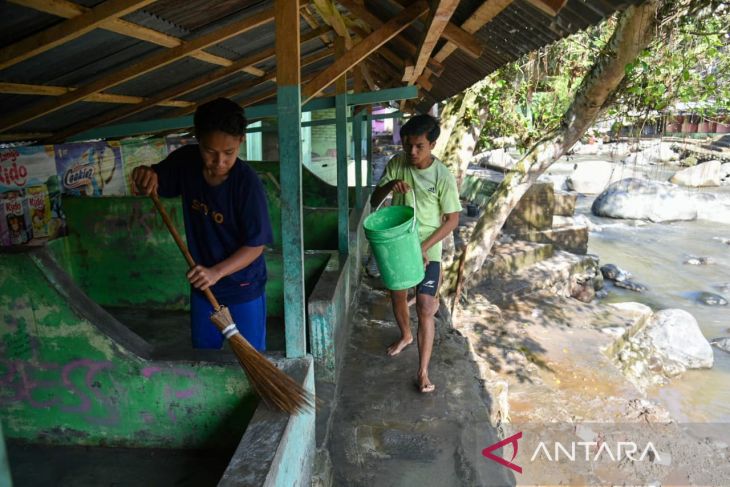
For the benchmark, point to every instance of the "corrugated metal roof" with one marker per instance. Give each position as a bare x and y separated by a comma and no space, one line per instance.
519,29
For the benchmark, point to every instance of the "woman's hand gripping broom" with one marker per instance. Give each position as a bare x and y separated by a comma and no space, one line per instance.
272,385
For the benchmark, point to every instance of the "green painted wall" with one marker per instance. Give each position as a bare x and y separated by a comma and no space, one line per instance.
120,253
63,381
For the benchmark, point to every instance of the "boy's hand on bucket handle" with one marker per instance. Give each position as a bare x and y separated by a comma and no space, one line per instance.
425,256
400,186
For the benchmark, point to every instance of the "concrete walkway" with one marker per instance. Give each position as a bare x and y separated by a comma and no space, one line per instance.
386,433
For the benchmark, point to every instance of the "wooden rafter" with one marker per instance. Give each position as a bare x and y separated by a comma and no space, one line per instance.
550,7
328,11
374,22
368,77
146,65
49,90
451,32
181,89
68,10
269,76
68,30
363,49
313,24
437,21
481,16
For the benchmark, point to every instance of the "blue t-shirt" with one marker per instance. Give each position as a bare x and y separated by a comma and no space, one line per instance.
221,219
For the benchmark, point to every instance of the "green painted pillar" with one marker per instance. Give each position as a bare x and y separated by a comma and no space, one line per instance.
369,147
5,479
289,112
357,142
343,209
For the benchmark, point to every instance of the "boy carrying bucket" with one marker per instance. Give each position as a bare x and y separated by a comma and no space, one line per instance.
438,208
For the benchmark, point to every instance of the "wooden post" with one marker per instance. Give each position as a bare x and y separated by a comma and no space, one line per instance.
369,146
343,205
289,110
357,141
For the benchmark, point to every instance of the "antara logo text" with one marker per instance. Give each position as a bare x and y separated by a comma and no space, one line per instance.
580,450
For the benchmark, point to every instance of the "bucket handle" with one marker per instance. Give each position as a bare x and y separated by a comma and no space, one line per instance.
415,211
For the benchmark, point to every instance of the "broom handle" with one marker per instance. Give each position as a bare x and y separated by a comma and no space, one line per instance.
181,245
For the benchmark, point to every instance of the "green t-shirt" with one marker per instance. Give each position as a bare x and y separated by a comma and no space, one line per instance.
436,195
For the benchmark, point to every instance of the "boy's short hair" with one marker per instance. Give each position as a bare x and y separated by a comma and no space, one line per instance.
221,115
421,125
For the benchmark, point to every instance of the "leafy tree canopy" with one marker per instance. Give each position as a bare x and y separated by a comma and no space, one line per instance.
688,63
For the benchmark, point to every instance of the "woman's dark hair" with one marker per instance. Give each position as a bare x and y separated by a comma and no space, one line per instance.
421,125
221,115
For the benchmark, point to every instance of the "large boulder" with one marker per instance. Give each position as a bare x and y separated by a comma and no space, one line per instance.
705,174
654,154
677,339
497,159
640,199
725,173
590,177
722,343
715,208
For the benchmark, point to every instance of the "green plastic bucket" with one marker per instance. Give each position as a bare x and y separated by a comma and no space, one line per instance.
393,235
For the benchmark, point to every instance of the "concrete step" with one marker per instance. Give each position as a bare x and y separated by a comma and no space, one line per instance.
556,274
508,258
572,238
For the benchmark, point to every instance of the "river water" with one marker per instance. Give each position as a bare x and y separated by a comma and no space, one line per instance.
654,253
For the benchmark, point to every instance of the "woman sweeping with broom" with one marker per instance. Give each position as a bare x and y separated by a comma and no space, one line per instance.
227,227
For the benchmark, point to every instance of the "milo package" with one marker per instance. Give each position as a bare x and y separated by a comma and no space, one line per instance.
4,231
17,217
39,205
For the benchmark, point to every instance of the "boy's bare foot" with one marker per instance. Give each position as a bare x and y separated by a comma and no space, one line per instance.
425,385
398,346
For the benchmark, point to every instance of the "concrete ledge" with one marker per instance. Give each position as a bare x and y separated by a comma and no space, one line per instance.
276,449
564,203
569,238
534,210
331,300
512,257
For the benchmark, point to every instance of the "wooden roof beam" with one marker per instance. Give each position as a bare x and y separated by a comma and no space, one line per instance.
481,16
404,44
438,19
328,11
66,9
363,49
451,32
368,76
48,90
181,89
269,76
550,7
68,30
146,65
313,24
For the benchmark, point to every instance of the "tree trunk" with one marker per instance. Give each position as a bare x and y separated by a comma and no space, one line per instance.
635,29
458,134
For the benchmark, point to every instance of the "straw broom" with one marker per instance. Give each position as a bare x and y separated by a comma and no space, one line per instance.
271,384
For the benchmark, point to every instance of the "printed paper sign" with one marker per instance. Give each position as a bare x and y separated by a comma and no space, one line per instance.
141,153
91,169
22,167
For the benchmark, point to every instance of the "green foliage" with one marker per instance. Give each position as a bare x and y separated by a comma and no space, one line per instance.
527,98
688,62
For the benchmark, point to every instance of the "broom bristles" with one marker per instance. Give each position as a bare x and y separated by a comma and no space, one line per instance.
271,384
